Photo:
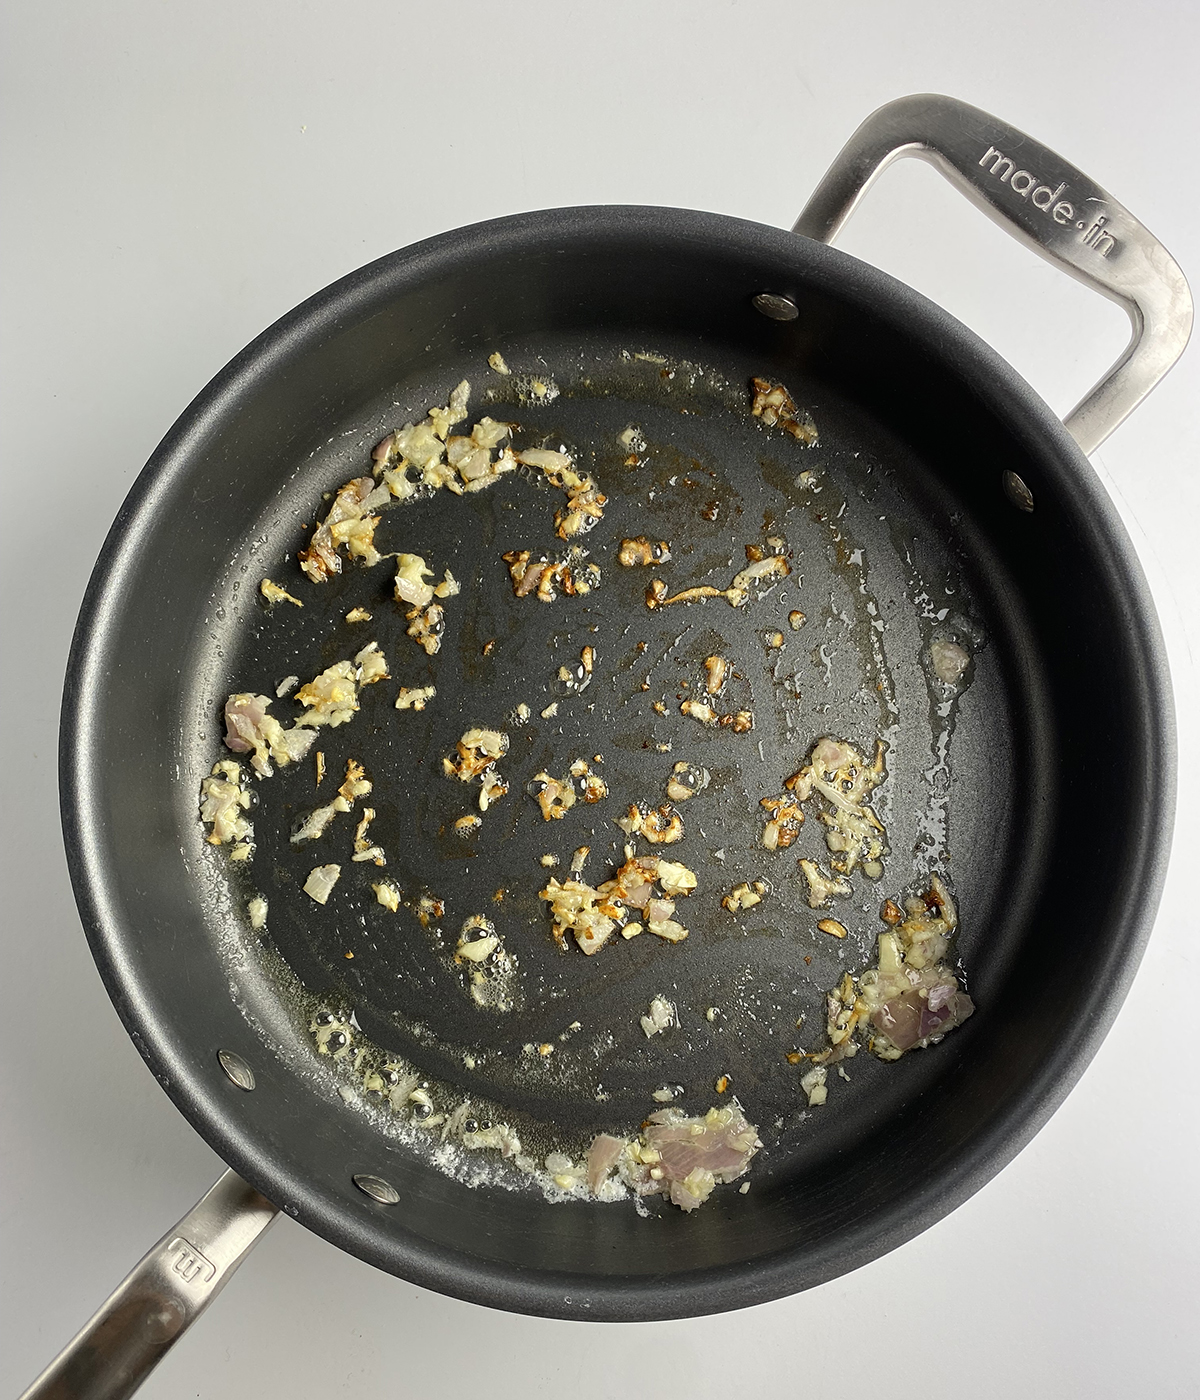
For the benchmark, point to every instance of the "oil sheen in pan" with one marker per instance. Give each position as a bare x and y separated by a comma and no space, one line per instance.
876,583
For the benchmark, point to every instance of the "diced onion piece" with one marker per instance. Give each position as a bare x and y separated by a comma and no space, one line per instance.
662,1014
372,665
387,895
274,594
415,697
410,586
813,1084
949,661
821,887
320,882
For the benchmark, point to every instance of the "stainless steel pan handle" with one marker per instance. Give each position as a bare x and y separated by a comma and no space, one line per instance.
160,1299
1045,202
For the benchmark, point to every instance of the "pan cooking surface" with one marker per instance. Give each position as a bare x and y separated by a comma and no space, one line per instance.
881,565
918,423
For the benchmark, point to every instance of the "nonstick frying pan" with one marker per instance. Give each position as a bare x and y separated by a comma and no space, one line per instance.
943,499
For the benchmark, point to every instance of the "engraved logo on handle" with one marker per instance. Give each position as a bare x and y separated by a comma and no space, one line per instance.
1049,201
189,1263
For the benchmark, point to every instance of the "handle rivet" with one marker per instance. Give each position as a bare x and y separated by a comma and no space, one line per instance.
776,307
378,1189
1017,492
236,1069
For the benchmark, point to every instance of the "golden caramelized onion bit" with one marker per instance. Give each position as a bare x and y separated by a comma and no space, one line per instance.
699,710
355,785
474,753
741,721
544,578
839,775
746,895
686,781
388,895
332,697
274,594
411,586
756,579
716,673
425,627
351,523
556,796
784,820
364,849
418,456
630,901
414,697
911,998
661,826
492,787
372,665
640,551
776,407
658,596
424,457
821,887
585,501
475,756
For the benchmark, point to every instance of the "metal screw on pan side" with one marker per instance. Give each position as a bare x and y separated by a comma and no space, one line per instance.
1017,492
378,1189
776,307
236,1069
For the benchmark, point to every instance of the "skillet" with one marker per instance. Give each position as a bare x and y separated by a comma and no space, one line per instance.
943,497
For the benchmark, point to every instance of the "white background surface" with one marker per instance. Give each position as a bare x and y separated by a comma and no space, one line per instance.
175,178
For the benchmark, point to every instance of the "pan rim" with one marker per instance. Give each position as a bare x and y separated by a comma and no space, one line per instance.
1004,394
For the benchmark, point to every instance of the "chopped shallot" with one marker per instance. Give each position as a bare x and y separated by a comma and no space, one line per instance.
775,406
556,796
274,594
415,697
949,661
643,551
686,781
821,887
250,728
545,577
223,802
662,1014
320,882
332,698
757,577
351,522
594,914
843,779
912,998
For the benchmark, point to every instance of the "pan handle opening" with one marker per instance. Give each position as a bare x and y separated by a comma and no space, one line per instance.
1045,202
160,1299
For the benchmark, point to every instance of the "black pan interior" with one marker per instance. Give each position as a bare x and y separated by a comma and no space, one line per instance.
644,318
